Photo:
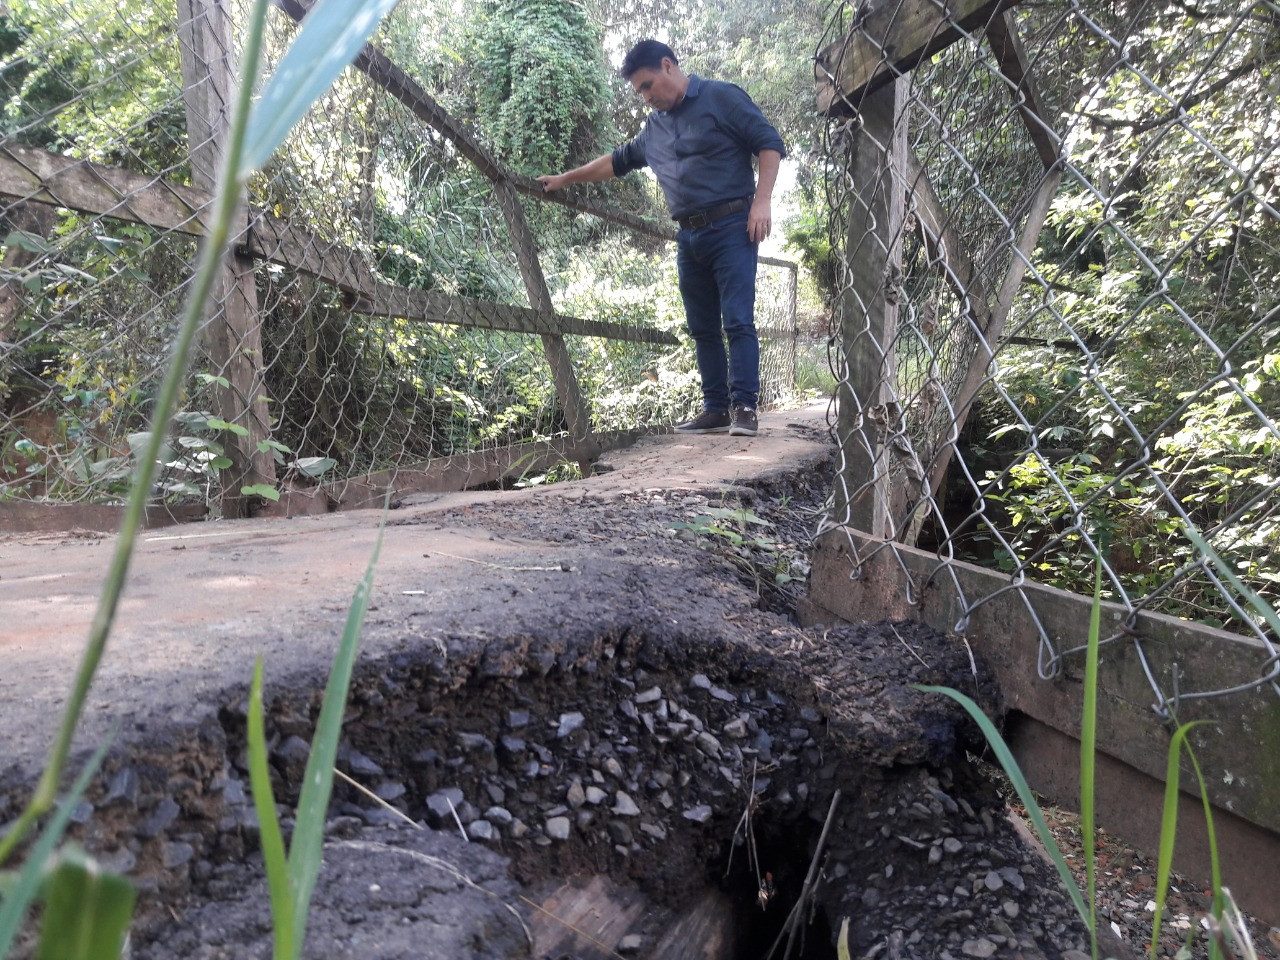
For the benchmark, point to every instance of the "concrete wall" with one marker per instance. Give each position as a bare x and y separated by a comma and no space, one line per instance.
1239,752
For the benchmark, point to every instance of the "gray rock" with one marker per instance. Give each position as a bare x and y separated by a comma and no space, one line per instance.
620,832
993,881
1011,909
952,845
123,789
389,790
499,815
481,830
982,947
517,719
699,814
474,741
631,943
517,829
1013,878
118,861
935,854
512,746
708,745
557,828
570,722
160,819
358,765
575,795
652,695
653,830
438,805
624,806
176,854
82,812
701,681
736,729
722,694
613,767
594,795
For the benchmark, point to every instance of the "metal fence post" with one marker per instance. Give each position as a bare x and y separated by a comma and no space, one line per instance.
867,408
233,327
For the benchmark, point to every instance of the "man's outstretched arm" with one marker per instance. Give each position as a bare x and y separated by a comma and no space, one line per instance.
601,168
760,219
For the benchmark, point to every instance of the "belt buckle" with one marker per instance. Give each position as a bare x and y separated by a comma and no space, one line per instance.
698,220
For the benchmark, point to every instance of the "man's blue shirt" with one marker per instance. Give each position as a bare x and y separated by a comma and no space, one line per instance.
701,150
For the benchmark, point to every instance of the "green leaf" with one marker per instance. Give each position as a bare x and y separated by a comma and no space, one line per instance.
265,445
14,906
31,242
317,782
1168,828
208,378
220,463
842,942
313,466
261,490
331,36
87,912
264,804
1011,769
239,431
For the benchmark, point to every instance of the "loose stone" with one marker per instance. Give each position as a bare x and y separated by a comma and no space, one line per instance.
952,845
699,814
624,806
978,948
652,695
557,828
570,722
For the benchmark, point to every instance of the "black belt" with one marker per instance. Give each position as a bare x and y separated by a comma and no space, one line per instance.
704,217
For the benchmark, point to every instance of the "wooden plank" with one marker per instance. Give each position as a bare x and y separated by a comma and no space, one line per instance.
29,173
461,471
979,364
48,178
1006,44
868,315
890,40
576,412
431,307
232,331
17,516
944,244
1236,750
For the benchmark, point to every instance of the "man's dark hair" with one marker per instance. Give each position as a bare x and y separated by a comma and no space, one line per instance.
646,55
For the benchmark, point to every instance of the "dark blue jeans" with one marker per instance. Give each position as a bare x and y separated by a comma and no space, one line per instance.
717,265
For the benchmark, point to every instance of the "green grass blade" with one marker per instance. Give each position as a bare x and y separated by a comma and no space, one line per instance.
87,912
14,906
331,36
264,804
1264,609
1011,769
313,804
1088,743
1168,829
1215,866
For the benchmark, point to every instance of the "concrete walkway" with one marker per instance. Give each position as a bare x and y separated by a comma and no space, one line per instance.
204,599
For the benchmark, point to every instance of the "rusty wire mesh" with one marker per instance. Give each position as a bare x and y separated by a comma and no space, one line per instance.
1068,352
375,317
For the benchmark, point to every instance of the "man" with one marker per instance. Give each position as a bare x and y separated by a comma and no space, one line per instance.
699,140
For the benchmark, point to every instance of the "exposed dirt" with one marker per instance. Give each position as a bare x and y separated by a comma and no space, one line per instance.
584,680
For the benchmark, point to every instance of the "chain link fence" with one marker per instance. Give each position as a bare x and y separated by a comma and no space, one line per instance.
399,308
1057,322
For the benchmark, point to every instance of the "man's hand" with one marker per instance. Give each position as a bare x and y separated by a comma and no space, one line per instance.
760,219
554,181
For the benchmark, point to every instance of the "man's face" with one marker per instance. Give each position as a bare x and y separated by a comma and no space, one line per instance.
662,88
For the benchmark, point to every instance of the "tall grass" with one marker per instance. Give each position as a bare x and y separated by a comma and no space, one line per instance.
1223,909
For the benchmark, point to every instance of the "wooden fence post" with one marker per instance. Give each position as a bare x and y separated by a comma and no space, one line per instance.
577,413
232,334
867,406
